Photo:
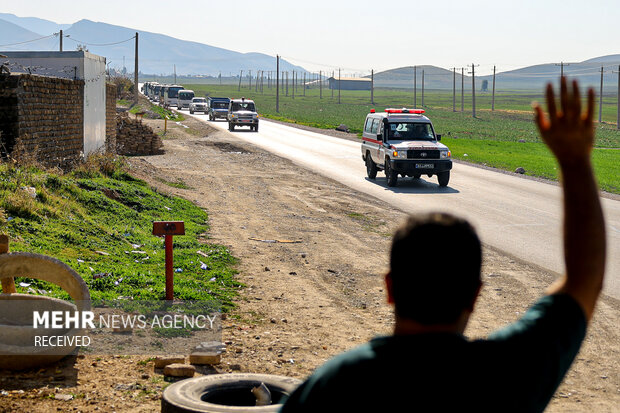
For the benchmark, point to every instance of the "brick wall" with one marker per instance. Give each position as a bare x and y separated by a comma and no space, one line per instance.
110,117
135,138
42,118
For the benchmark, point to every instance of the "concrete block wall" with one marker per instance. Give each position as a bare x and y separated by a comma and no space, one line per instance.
42,118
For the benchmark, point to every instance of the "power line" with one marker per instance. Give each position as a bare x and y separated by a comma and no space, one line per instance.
100,44
28,41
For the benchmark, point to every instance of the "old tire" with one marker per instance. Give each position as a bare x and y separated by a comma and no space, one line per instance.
231,126
213,393
16,330
390,174
191,112
256,128
371,167
443,178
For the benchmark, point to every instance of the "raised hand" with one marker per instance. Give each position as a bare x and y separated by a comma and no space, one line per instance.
568,133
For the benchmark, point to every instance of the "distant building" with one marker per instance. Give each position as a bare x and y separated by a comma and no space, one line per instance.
349,83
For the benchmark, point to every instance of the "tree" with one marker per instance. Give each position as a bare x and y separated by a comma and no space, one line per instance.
485,85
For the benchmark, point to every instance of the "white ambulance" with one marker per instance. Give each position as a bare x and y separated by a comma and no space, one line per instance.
403,142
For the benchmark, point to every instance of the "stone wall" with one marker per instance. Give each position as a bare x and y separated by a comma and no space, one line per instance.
110,117
135,138
42,118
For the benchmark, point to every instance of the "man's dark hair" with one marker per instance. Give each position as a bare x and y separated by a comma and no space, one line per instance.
435,268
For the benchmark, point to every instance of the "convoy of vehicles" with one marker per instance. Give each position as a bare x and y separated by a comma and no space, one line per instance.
242,112
218,107
403,142
237,112
198,105
171,95
184,98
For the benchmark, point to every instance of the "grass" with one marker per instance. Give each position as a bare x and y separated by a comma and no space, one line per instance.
491,138
98,220
145,105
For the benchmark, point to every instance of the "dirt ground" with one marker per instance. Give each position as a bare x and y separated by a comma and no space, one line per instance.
305,301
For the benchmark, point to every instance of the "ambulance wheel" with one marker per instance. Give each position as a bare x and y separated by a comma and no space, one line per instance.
371,167
390,174
443,178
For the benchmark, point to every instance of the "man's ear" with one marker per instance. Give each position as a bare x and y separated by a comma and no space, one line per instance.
389,288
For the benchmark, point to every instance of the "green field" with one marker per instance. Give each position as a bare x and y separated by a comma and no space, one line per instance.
492,138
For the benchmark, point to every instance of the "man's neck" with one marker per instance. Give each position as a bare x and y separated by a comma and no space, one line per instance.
405,326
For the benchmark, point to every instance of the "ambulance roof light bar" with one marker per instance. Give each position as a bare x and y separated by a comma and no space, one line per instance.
404,110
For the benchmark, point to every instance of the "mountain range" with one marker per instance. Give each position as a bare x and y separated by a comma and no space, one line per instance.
158,53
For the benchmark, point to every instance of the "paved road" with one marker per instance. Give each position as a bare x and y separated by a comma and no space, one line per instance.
519,216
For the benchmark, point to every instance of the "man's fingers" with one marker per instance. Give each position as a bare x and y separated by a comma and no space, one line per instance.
551,103
576,99
564,96
590,111
539,118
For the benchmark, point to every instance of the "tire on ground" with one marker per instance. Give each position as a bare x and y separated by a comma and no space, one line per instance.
201,394
443,178
390,174
371,167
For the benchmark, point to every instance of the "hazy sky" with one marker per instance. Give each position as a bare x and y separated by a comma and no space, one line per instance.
363,35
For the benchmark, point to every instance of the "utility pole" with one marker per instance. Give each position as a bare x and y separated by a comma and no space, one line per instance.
493,98
473,90
220,77
250,80
293,86
333,74
339,86
415,84
277,84
454,89
372,87
462,88
600,101
61,40
320,85
286,83
422,87
135,75
240,76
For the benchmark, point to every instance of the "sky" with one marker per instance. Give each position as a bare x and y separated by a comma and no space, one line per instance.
327,35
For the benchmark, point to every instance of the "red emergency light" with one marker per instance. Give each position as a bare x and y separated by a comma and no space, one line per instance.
372,111
404,110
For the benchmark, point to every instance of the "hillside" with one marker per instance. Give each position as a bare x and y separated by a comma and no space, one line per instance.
34,24
158,53
11,33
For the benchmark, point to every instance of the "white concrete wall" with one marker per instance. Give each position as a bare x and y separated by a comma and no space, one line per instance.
72,65
94,103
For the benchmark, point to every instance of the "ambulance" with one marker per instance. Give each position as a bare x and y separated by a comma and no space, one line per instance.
403,142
